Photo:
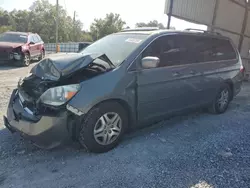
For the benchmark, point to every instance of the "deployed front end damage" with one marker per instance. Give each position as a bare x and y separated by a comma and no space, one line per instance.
38,107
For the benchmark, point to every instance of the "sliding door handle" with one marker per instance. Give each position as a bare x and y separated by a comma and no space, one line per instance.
193,72
176,74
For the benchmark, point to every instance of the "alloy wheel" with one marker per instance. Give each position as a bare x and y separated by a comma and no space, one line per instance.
26,59
107,128
223,99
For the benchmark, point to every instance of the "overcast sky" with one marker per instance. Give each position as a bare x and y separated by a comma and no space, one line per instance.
132,11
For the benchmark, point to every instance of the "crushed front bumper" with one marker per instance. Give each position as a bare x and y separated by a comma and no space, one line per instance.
44,131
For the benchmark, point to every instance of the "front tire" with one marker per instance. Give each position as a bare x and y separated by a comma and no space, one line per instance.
222,100
42,55
26,60
103,127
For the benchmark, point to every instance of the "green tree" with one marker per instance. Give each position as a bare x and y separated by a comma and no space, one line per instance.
110,24
153,23
5,21
86,37
5,28
19,20
41,19
4,17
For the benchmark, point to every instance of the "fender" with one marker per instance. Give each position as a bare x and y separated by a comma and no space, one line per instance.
108,86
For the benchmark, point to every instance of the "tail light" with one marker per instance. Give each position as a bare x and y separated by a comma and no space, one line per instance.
242,69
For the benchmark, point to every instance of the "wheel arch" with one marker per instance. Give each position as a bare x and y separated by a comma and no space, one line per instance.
231,86
26,52
124,104
74,126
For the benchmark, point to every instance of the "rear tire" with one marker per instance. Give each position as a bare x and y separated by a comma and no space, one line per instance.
222,100
103,127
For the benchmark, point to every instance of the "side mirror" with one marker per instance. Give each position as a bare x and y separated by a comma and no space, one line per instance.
150,62
31,42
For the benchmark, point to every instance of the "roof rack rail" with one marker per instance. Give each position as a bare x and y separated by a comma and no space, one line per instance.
141,29
204,31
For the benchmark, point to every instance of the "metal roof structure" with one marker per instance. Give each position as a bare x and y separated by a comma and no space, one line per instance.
231,18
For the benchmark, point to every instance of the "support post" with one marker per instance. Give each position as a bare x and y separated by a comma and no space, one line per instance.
74,26
215,14
170,13
243,29
57,18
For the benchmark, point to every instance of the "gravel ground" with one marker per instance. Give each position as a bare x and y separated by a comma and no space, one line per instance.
198,150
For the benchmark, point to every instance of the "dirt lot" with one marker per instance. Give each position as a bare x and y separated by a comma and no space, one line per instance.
197,150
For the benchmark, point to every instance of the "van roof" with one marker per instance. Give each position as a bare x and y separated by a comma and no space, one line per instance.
167,31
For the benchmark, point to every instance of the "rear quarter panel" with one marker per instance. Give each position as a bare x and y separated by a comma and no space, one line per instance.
225,71
229,72
217,73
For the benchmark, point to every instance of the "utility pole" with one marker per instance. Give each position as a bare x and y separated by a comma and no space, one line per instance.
74,26
57,15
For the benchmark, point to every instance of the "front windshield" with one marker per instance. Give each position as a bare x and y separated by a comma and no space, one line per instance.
16,38
116,47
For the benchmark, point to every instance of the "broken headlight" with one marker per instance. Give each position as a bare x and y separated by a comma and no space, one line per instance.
59,95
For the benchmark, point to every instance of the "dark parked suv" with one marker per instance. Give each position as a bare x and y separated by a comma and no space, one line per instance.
122,81
19,48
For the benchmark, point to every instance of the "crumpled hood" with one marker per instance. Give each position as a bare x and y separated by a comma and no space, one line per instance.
9,45
61,65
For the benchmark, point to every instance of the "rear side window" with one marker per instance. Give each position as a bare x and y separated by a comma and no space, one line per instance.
39,38
198,49
188,49
219,49
31,39
35,38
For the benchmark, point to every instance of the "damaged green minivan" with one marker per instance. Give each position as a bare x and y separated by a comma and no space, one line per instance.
122,81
